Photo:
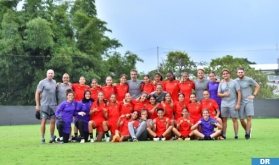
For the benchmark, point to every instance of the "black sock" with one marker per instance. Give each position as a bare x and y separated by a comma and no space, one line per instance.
107,134
76,134
182,137
96,134
156,136
188,136
206,138
173,135
161,136
91,135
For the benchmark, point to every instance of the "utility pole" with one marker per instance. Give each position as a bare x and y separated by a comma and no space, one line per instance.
157,59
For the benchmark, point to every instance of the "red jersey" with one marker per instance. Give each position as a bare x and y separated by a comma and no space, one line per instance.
211,105
149,107
161,126
121,90
124,128
113,112
168,111
126,109
161,82
94,93
186,88
184,126
98,115
79,91
138,106
173,89
195,111
108,91
177,108
148,88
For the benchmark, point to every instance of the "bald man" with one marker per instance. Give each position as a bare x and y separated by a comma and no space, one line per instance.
47,104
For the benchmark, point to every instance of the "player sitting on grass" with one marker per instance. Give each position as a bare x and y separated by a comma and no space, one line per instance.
122,133
207,127
161,128
64,120
184,124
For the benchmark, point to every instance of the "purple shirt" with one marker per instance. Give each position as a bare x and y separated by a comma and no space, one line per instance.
206,128
213,90
83,107
66,111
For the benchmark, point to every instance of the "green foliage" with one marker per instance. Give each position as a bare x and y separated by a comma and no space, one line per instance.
179,62
47,35
216,65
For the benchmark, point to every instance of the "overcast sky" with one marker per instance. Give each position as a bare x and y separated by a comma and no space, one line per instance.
205,29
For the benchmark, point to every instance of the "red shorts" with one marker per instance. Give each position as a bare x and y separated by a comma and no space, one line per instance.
124,132
185,133
99,125
112,127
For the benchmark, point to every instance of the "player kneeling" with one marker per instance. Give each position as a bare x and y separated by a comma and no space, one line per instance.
161,128
183,130
122,133
207,127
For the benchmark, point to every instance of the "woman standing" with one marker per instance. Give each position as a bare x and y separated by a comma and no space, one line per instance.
95,89
172,86
148,86
64,115
186,86
82,119
108,89
213,89
158,79
122,88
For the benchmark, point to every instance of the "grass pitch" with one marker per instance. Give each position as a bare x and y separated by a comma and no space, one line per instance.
22,145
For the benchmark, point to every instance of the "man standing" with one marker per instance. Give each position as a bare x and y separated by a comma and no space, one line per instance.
200,85
47,89
134,84
61,88
230,92
246,106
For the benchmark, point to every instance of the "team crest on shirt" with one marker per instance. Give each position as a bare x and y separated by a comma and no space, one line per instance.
244,83
189,84
209,103
215,84
184,105
175,83
124,87
130,107
144,104
116,106
73,104
97,90
165,123
112,89
104,104
197,107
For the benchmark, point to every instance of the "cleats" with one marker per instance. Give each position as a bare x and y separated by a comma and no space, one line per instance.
82,141
247,136
236,137
43,141
91,140
156,139
108,139
221,138
52,140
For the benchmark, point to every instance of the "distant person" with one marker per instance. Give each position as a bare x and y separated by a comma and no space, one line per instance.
207,127
246,106
47,90
230,92
64,115
200,85
61,88
134,84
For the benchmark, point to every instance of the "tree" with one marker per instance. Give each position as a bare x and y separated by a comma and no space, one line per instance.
216,65
179,62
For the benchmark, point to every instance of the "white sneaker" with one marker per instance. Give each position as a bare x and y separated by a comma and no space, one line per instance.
163,139
82,141
91,140
108,139
70,139
155,139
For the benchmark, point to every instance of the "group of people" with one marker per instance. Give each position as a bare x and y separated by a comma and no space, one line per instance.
138,110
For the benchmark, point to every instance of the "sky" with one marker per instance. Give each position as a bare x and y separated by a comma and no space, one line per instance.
205,29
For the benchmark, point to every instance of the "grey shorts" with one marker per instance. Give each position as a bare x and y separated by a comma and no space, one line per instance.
246,109
229,112
48,112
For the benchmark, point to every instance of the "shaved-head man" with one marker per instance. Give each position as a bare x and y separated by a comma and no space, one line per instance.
47,104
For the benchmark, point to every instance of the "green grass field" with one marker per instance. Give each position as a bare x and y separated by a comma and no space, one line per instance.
22,145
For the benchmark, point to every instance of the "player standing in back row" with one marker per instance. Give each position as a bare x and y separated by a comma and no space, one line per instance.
246,106
134,84
230,92
200,85
47,89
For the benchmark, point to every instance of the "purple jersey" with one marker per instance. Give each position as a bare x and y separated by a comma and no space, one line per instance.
84,107
66,111
213,90
206,128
